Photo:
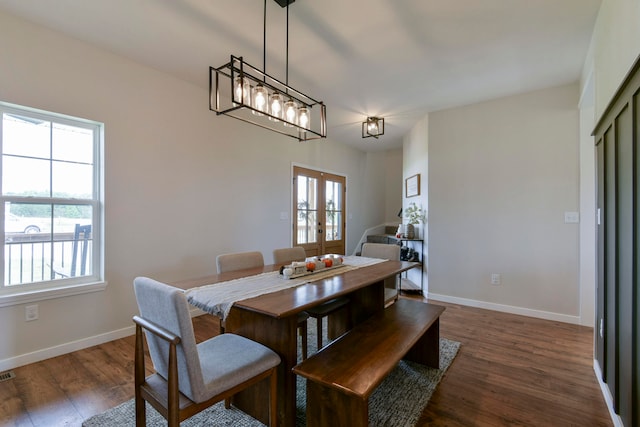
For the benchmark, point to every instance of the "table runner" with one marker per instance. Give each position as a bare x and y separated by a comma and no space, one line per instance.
218,298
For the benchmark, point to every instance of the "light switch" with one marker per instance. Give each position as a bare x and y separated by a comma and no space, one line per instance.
284,216
571,217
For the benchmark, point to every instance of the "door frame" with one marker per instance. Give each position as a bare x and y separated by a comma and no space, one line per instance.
292,196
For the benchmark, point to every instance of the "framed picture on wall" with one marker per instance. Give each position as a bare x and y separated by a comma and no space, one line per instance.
412,185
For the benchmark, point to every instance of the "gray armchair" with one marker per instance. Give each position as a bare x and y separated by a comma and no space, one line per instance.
191,377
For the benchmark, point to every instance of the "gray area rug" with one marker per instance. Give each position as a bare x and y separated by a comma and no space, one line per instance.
397,402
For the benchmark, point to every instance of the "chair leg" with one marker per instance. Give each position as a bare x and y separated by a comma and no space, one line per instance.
141,416
273,399
319,331
302,327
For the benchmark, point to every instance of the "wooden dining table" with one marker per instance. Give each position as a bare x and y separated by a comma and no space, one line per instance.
271,319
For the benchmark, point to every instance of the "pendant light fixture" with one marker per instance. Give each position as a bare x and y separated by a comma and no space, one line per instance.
373,127
240,90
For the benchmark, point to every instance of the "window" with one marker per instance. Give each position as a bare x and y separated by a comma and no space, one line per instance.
51,192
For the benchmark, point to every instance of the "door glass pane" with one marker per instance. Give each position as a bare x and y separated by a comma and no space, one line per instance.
307,209
333,210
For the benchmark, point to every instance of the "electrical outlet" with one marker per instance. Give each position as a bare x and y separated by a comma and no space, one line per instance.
31,312
496,279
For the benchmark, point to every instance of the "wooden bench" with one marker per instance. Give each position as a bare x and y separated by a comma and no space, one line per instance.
342,376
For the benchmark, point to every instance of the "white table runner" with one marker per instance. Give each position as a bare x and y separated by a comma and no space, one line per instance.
218,298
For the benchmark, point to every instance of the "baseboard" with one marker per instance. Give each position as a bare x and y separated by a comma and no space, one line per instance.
506,308
47,353
617,421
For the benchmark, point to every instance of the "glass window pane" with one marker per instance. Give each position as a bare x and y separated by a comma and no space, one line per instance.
65,217
72,143
72,241
25,136
72,180
26,218
25,176
27,242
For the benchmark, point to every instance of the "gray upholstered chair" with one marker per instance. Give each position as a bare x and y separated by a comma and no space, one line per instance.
381,250
239,261
191,377
390,252
297,253
284,256
244,260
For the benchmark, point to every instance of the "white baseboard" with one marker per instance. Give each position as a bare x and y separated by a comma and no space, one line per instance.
506,308
47,353
617,421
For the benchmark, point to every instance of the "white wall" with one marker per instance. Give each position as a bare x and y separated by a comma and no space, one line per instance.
501,176
615,47
587,207
392,168
415,152
181,184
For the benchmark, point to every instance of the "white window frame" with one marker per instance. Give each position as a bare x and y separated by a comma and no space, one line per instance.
31,292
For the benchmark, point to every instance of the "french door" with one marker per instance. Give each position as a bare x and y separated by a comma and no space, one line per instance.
319,200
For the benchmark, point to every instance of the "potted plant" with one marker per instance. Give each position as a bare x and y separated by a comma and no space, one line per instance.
414,215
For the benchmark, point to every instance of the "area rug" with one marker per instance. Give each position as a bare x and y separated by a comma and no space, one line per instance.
397,402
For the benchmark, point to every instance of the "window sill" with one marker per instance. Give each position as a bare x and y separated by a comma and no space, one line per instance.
17,298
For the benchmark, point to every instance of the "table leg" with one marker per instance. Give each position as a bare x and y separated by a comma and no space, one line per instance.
281,336
364,303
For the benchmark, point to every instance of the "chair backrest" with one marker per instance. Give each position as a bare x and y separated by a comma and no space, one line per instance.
239,261
381,250
81,237
168,308
286,255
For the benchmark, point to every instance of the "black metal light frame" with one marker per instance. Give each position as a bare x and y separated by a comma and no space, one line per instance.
240,110
379,121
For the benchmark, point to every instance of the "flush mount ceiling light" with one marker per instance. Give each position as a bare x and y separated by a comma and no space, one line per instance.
244,92
373,127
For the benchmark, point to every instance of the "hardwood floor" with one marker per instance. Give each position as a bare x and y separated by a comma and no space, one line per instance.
510,370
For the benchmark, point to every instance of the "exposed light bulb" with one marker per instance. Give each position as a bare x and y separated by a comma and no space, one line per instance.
291,113
275,106
260,97
303,117
242,91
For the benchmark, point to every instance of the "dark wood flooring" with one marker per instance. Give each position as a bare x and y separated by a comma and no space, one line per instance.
510,371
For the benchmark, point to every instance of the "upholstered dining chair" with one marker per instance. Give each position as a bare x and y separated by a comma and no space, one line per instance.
239,261
385,251
191,377
243,260
284,256
297,253
381,250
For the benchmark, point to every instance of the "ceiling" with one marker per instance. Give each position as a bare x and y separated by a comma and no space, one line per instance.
398,59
